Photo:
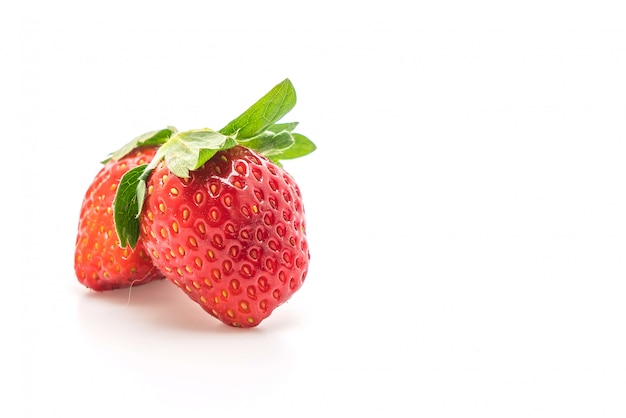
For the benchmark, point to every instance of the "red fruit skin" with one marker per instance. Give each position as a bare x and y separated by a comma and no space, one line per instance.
99,262
231,236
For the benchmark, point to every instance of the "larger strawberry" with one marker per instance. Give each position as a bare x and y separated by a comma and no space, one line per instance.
220,217
99,261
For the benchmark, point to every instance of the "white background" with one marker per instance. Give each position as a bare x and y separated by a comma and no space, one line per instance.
466,208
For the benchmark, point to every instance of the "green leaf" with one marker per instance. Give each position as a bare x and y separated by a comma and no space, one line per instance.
186,151
277,127
264,113
149,138
301,147
126,206
269,143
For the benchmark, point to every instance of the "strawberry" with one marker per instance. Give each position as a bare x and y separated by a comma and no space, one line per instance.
231,235
220,217
99,261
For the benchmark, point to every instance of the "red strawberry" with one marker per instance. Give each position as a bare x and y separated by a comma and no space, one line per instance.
231,235
99,261
219,216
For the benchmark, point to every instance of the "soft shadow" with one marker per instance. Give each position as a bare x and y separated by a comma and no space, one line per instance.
157,330
162,305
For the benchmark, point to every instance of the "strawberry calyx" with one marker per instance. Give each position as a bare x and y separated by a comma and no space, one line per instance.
186,151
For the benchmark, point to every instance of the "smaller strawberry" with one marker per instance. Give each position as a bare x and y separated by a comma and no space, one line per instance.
220,217
100,262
